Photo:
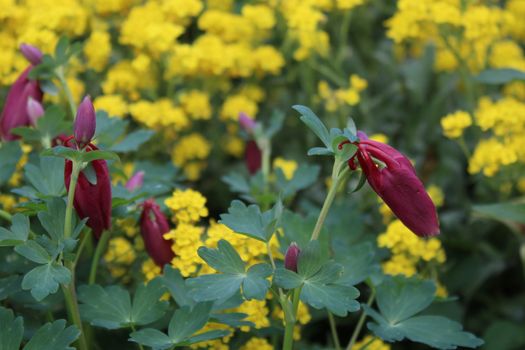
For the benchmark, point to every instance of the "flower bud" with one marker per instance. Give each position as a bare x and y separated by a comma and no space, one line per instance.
153,226
34,110
135,181
398,185
252,157
247,123
31,53
291,256
85,122
92,199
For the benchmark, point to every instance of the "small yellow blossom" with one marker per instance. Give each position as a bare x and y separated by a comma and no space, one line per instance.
288,167
188,206
186,240
114,105
454,124
119,256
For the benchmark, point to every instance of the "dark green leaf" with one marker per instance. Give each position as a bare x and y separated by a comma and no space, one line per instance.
336,298
11,330
319,151
53,336
18,233
255,285
215,286
63,152
500,76
10,153
234,319
108,307
310,259
48,179
210,335
173,280
151,337
8,286
133,141
513,212
224,258
45,279
237,182
287,279
358,262
94,155
53,218
303,177
146,305
314,123
186,321
33,251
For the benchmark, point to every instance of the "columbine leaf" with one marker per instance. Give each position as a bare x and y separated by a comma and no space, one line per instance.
17,234
510,212
500,76
45,279
255,285
151,337
185,322
53,218
176,285
11,330
33,251
214,287
224,258
287,279
133,141
358,262
237,182
10,153
303,177
8,286
53,336
111,307
336,298
249,220
94,155
48,178
314,123
310,259
63,152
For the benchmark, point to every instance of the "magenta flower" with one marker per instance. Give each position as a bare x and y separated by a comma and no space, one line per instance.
398,185
247,123
85,122
92,199
31,53
35,110
291,257
153,226
252,157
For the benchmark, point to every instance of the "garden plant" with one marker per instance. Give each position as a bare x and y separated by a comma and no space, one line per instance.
256,175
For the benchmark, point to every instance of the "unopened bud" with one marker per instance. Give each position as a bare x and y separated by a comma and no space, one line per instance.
247,123
85,122
290,259
135,181
34,110
31,53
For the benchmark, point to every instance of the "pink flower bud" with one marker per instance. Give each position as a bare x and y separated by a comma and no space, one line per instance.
31,53
398,185
15,112
92,200
153,226
247,123
135,181
291,256
85,122
34,110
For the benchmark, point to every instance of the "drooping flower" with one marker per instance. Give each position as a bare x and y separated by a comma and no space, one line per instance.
85,122
153,226
252,157
92,193
396,182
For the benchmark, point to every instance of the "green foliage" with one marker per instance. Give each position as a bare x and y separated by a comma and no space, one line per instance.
49,126
47,179
320,282
111,307
399,300
249,220
234,275
185,322
10,153
111,134
500,76
11,330
18,232
359,263
509,212
303,177
78,155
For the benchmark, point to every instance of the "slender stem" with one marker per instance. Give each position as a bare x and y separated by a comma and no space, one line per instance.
101,246
333,328
81,247
134,330
70,298
5,215
68,227
337,176
368,343
464,147
290,321
361,321
67,91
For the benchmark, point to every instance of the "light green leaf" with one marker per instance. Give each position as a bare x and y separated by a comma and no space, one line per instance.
255,285
310,260
33,251
224,258
133,141
63,152
94,155
11,330
10,153
314,123
146,305
48,178
45,279
500,76
18,233
53,336
287,279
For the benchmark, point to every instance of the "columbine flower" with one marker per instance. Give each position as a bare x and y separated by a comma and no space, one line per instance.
135,182
85,122
153,225
291,256
15,112
92,198
34,110
396,182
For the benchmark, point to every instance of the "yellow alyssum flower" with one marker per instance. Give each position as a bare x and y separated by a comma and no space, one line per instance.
257,344
489,156
235,104
196,104
159,115
261,16
97,50
7,202
288,167
188,206
190,153
455,123
371,343
114,105
257,312
186,240
180,11
150,270
119,256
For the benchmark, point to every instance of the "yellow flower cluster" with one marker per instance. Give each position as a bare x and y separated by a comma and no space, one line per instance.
7,202
371,343
463,35
454,124
186,240
188,206
98,50
159,115
119,256
114,105
288,167
505,121
196,104
334,99
16,178
190,153
257,344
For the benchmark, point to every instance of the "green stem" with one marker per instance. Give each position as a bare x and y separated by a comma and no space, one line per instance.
68,227
5,215
81,247
70,298
464,147
337,176
134,330
67,91
361,321
368,343
333,328
290,321
101,246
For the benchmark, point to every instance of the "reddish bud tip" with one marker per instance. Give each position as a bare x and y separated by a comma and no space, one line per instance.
253,157
31,53
85,122
34,110
247,123
290,259
135,181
